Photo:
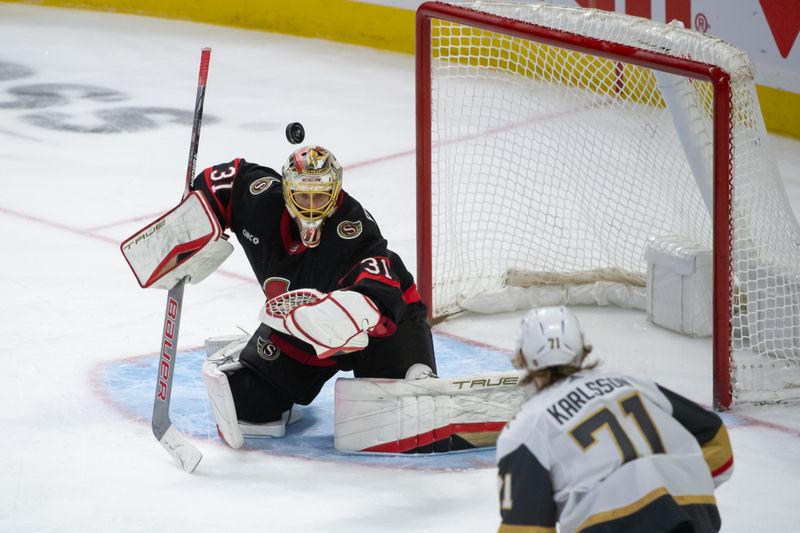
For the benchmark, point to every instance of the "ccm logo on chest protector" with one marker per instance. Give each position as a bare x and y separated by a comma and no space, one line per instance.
349,230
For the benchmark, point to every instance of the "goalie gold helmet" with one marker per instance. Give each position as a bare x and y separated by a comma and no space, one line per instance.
549,336
312,180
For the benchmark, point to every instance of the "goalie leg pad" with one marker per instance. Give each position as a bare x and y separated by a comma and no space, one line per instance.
276,428
223,358
224,351
215,344
222,406
420,371
424,415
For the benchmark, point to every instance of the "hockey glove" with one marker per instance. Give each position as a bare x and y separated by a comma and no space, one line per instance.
334,323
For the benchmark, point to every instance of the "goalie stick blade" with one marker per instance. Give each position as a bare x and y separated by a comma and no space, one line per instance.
179,447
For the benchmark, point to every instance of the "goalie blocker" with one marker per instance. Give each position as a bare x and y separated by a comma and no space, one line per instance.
431,415
187,241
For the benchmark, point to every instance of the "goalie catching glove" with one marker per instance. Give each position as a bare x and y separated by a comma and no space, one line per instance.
334,323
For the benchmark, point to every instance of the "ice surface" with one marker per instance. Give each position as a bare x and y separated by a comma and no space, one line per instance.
93,144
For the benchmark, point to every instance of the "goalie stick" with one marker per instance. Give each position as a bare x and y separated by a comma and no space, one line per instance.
176,444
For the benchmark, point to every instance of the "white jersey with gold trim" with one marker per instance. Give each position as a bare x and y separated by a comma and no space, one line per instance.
601,450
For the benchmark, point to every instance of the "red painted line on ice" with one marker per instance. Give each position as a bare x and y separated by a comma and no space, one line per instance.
492,131
63,227
408,153
128,221
89,234
746,421
474,342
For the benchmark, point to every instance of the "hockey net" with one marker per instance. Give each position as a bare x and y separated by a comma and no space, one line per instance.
553,142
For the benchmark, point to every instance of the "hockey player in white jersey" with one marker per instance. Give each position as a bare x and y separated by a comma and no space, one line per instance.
594,451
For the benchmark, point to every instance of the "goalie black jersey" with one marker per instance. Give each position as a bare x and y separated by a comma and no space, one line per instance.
607,452
352,254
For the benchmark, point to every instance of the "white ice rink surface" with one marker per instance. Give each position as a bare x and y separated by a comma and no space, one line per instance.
72,189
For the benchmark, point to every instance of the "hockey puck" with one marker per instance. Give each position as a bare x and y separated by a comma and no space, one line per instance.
295,133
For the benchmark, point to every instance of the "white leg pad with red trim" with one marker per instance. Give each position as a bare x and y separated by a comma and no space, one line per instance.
221,360
429,415
223,356
222,406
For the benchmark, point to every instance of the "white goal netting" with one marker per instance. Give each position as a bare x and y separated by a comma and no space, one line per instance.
555,167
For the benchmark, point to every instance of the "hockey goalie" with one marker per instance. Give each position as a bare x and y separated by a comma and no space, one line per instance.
337,298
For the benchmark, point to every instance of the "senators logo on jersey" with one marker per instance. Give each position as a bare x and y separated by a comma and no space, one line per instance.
267,350
349,230
262,184
275,286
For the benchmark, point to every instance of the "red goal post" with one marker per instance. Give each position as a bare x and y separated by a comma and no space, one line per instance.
493,62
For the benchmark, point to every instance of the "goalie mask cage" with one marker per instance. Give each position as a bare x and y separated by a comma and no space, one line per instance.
553,142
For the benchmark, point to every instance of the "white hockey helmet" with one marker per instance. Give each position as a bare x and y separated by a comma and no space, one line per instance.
312,180
549,336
